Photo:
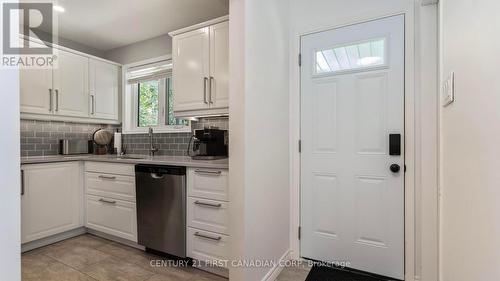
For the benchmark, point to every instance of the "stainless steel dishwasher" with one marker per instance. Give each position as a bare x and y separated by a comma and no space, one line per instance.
161,208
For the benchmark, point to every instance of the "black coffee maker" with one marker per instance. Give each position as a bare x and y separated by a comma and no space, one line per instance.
208,144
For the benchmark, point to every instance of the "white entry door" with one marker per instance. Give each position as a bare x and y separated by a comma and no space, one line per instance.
352,132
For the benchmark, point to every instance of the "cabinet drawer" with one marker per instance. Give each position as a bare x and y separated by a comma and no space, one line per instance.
111,216
108,185
208,183
207,246
208,215
110,168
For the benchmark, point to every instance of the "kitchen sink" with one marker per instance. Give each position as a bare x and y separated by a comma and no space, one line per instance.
130,157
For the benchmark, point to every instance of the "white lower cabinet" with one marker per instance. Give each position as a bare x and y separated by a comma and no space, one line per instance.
59,197
207,215
110,199
112,216
208,247
208,183
51,199
113,186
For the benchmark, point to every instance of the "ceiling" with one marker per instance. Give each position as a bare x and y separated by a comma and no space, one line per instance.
108,24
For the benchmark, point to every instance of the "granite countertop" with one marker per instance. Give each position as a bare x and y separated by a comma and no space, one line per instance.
134,159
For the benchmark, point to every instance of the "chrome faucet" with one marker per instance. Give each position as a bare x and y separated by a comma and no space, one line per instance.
152,149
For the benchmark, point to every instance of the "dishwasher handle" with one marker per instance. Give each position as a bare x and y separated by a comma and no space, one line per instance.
157,176
160,170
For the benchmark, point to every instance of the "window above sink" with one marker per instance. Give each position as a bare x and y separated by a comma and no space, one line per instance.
148,99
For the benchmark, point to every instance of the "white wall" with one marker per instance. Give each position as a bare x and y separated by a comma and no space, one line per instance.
267,124
143,50
259,132
237,132
470,138
10,206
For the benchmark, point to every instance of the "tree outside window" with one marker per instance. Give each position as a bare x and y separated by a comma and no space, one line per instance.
151,95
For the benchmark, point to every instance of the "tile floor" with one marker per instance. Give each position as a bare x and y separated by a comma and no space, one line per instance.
297,273
90,258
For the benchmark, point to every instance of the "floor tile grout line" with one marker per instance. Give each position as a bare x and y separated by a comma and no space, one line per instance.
64,264
104,242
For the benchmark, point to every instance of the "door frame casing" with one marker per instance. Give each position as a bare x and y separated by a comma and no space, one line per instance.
413,128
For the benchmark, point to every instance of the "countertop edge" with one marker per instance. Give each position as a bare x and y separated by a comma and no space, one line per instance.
176,162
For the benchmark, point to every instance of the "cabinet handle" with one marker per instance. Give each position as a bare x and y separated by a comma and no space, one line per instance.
57,100
22,182
92,104
210,89
218,238
107,177
50,100
107,201
208,172
205,80
207,204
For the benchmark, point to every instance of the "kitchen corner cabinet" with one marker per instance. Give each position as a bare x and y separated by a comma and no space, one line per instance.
201,69
79,88
51,199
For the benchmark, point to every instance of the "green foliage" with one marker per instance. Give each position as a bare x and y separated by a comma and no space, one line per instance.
148,104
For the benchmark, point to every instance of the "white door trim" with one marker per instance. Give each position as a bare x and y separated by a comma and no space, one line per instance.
414,72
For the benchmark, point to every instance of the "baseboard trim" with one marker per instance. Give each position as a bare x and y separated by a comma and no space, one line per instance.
52,239
276,270
115,239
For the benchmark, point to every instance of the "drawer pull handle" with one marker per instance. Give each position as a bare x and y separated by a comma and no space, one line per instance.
107,201
208,172
107,177
208,237
207,204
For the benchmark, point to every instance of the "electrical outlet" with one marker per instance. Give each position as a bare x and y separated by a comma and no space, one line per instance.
448,90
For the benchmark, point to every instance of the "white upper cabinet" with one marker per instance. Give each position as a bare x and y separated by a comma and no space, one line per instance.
191,70
219,65
200,69
104,79
36,90
70,80
79,88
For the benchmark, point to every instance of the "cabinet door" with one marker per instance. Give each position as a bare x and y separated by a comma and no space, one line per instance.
71,85
191,70
111,216
104,79
208,183
52,200
219,65
35,90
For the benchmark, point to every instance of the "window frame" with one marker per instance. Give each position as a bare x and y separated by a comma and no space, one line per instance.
130,104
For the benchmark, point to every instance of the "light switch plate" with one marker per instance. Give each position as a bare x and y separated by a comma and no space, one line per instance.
448,91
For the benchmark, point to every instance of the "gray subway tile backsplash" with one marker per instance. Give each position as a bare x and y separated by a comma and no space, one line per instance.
41,138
